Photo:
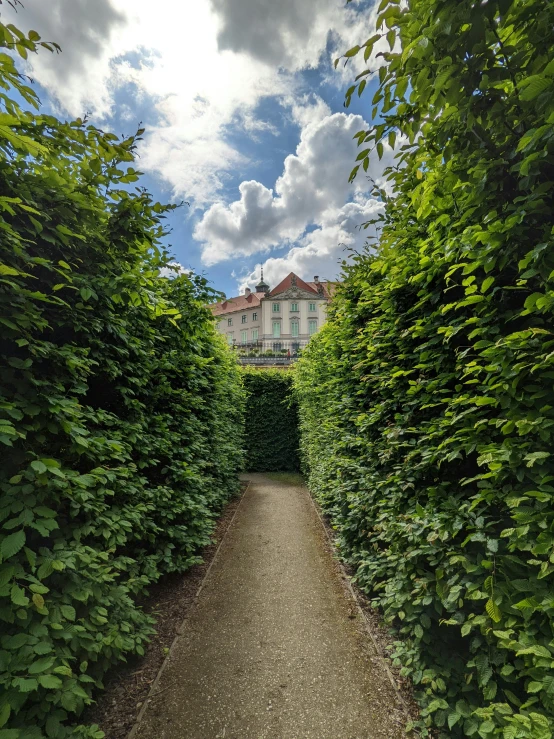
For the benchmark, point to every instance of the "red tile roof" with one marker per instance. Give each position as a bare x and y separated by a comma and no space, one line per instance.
328,288
241,302
288,282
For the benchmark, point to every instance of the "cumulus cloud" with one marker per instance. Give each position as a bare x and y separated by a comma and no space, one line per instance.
308,108
311,191
203,67
86,32
288,34
167,56
321,251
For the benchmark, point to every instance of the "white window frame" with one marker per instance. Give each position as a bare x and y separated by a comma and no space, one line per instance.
244,336
244,318
254,334
294,329
312,307
229,321
312,326
276,308
276,329
294,307
230,337
254,316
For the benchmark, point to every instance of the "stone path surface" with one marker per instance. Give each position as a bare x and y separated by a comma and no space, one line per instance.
274,648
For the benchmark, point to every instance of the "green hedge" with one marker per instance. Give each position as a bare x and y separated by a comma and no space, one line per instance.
271,421
120,415
427,402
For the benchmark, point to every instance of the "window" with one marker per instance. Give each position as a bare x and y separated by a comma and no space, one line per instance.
276,307
312,307
276,329
294,328
254,316
229,321
243,337
312,327
277,346
294,307
230,338
295,346
244,318
254,334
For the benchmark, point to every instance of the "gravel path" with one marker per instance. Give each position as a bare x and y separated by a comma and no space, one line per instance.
274,648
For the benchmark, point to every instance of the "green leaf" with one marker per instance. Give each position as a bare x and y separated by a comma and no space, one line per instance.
487,282
41,665
25,684
534,86
6,270
537,650
453,719
352,52
38,466
68,612
50,681
38,600
18,596
69,701
12,544
5,711
533,457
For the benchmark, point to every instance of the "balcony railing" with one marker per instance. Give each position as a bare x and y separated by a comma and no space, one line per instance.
269,351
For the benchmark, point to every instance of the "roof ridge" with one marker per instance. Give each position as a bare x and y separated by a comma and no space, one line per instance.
287,283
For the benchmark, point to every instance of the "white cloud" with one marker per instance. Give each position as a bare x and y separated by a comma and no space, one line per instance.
321,251
307,109
173,270
79,78
204,66
311,191
286,34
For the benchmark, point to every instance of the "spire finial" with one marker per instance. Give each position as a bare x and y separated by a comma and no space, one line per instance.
261,287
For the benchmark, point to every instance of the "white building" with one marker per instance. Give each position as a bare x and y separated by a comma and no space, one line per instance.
282,319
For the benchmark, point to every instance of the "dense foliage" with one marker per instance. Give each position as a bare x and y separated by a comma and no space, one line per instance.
427,403
120,412
271,421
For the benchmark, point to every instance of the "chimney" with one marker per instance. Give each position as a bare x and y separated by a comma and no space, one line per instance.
247,291
316,279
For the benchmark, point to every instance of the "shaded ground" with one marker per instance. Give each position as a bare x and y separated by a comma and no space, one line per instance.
275,648
169,601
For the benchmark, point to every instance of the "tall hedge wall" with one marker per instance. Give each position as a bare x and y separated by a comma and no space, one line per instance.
120,415
271,421
426,402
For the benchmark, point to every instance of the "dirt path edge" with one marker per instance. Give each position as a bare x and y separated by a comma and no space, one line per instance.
355,596
155,685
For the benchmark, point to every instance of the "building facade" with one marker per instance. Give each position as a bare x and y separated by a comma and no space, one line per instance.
281,319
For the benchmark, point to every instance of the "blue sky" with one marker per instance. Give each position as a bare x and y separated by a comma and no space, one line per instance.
244,120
